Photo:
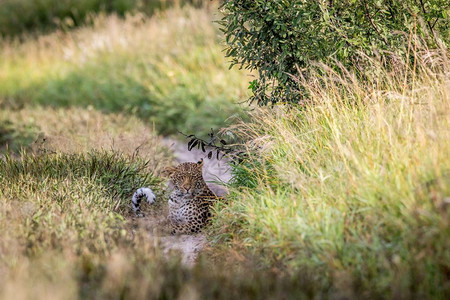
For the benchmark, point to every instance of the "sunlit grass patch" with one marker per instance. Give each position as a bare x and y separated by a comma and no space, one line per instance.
62,218
168,70
109,176
77,130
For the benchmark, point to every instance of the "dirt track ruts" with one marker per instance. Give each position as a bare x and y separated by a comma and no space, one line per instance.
214,172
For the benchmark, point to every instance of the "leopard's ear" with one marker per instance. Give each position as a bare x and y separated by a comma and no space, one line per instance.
200,163
168,171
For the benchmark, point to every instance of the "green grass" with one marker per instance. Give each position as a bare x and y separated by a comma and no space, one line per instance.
66,235
114,175
13,136
24,17
57,203
65,217
169,70
354,185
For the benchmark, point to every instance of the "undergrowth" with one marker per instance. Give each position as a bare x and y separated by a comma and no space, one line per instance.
15,136
354,183
65,235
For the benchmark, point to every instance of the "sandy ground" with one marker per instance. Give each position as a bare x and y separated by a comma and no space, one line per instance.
214,172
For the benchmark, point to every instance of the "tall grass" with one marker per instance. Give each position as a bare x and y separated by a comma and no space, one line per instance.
354,183
66,235
168,69
57,207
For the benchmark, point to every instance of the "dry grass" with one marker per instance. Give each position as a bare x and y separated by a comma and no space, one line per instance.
354,184
75,130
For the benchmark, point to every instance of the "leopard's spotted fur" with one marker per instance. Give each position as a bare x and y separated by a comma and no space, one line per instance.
189,203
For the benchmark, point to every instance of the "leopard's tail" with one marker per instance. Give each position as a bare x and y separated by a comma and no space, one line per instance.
137,198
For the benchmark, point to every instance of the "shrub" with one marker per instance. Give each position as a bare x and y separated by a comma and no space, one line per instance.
281,38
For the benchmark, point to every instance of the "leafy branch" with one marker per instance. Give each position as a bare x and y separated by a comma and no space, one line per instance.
367,12
215,146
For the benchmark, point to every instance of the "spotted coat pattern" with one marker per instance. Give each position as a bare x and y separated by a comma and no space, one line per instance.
191,200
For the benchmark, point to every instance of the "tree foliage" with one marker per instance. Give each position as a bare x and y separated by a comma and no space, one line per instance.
281,38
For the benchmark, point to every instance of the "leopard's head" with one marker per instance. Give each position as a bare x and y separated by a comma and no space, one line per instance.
187,177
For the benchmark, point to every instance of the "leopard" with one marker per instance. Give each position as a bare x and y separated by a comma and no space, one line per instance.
190,202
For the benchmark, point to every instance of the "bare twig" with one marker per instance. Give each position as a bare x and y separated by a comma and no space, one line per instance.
425,13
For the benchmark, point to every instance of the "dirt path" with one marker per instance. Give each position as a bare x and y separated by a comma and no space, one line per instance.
214,172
